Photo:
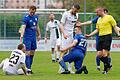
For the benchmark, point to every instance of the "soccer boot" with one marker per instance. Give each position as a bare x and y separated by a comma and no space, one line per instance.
85,70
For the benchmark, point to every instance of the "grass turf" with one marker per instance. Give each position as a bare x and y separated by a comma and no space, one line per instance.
44,69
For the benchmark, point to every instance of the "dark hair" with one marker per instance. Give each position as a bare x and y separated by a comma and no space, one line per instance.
32,7
77,6
20,46
105,10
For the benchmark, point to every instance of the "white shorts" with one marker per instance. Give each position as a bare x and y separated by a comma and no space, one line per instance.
53,43
58,42
66,42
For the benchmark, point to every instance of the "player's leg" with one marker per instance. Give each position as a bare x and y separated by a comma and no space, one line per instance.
28,42
97,57
58,43
79,56
70,39
32,53
53,44
106,47
98,61
66,58
3,63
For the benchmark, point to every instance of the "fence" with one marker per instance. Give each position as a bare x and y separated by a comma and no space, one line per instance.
10,21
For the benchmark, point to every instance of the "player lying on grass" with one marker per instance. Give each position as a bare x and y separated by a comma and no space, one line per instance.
76,54
16,63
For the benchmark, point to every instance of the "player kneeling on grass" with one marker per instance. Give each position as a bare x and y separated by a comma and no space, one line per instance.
76,54
16,63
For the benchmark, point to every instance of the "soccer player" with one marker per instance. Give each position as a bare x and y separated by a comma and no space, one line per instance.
77,53
16,63
68,20
104,26
94,21
55,37
28,34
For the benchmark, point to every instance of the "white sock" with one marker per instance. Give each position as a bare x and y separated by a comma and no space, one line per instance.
58,54
53,56
98,66
70,66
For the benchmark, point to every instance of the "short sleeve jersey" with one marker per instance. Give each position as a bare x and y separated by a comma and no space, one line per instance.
31,25
53,27
69,21
17,57
105,24
81,42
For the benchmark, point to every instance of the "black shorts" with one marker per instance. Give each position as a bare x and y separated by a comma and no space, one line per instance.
104,42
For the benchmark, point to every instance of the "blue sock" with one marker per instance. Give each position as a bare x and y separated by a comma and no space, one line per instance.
31,59
109,60
98,61
62,63
27,62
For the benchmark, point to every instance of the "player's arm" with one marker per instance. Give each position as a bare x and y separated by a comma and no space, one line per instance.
114,25
92,33
38,33
62,22
117,30
23,68
46,33
86,23
70,46
22,30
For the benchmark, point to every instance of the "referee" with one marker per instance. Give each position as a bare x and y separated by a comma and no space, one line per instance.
104,26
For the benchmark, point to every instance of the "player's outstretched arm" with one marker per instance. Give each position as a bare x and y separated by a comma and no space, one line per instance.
86,23
92,33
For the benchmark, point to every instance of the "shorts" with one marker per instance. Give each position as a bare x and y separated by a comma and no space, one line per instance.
53,43
30,43
104,42
58,42
66,42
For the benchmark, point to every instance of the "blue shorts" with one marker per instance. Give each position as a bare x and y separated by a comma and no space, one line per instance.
76,56
30,43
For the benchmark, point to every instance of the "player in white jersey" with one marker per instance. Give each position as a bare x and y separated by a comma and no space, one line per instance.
16,63
55,37
68,20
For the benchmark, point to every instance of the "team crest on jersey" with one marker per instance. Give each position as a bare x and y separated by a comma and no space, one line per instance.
36,19
30,20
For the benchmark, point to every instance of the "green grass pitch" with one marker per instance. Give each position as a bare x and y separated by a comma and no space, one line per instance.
44,69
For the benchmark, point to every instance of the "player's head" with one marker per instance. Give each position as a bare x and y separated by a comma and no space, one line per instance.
51,16
75,8
100,11
32,10
78,28
21,47
105,11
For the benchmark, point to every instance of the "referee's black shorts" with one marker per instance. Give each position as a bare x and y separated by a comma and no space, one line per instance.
104,42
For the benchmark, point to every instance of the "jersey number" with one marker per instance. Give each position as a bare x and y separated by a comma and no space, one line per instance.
14,59
83,43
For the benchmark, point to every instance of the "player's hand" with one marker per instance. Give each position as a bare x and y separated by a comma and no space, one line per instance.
63,50
87,35
65,36
38,38
45,40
